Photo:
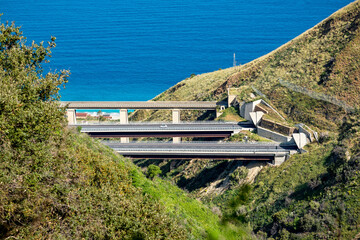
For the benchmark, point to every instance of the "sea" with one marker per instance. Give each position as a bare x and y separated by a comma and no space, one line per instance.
132,50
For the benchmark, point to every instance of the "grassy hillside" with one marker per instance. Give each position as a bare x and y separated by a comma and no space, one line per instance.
315,195
58,184
323,60
314,79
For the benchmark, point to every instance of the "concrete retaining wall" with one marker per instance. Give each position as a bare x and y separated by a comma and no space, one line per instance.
277,137
260,109
306,132
246,108
273,126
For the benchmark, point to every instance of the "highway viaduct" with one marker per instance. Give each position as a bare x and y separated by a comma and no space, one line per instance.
274,153
174,106
197,129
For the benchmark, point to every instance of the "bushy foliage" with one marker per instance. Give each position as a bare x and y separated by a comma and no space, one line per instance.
153,171
313,195
238,175
54,183
316,199
28,111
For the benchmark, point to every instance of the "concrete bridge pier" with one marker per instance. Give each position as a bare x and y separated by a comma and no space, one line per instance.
124,119
71,116
176,119
176,116
278,160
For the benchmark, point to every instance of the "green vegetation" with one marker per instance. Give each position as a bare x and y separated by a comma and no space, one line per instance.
238,175
312,196
246,136
153,171
230,114
324,59
56,183
313,79
195,216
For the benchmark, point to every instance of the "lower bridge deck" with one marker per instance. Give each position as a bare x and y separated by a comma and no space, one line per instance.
220,151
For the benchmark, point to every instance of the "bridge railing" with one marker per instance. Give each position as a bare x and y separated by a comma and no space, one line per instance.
115,122
259,150
196,143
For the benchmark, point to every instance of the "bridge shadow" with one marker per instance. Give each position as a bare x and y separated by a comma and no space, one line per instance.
166,166
208,175
213,170
207,115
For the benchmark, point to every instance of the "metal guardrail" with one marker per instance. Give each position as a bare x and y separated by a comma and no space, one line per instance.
168,123
200,150
199,142
316,95
157,129
191,105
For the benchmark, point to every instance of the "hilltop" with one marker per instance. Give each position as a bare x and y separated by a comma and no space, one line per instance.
57,183
323,60
313,79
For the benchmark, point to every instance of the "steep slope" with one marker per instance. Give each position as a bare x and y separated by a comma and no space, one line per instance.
323,60
58,184
312,196
312,79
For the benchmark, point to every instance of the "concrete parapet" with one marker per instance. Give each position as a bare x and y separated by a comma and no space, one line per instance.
268,105
246,108
71,116
306,132
300,139
256,117
277,137
310,134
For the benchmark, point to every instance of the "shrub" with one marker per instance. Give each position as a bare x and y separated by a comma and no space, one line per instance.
239,174
153,171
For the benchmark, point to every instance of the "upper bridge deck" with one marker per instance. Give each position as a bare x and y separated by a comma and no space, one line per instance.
183,105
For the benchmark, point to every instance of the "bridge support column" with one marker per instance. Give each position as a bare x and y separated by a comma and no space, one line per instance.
176,115
124,119
175,120
278,160
71,116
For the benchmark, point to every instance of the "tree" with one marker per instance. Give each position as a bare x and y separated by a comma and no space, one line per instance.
153,171
29,112
52,180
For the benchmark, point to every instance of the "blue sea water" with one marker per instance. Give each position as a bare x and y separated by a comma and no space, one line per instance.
132,50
